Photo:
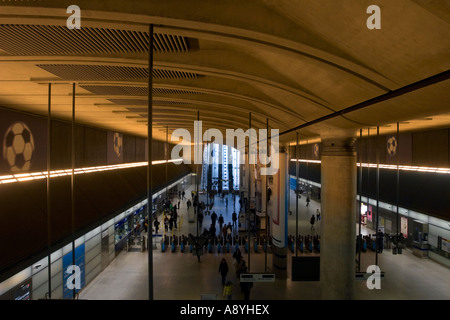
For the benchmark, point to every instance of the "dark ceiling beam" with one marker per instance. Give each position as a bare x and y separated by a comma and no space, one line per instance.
384,97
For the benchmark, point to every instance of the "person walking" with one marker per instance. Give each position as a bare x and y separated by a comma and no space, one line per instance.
214,218
156,224
237,256
312,221
188,203
318,215
307,201
212,230
221,221
138,228
166,224
228,290
241,268
224,232
223,269
229,231
198,249
200,219
175,218
171,223
380,236
234,217
245,288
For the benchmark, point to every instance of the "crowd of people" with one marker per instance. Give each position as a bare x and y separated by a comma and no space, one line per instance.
170,213
218,228
170,218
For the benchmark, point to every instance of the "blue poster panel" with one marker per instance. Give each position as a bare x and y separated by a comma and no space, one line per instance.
292,183
68,262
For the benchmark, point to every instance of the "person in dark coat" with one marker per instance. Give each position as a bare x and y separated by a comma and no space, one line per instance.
200,218
214,218
198,249
221,221
223,269
171,223
312,221
245,286
380,236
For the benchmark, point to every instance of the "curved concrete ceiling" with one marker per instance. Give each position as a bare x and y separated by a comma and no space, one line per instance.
288,62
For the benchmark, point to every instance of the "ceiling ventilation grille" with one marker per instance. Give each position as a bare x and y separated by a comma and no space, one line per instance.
174,91
18,39
117,90
137,102
170,103
111,73
134,90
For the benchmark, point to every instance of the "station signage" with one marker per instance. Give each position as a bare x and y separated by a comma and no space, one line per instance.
257,277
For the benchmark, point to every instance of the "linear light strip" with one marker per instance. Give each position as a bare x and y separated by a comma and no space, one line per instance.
68,172
391,207
391,167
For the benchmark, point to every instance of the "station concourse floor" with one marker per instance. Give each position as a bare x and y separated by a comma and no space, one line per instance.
179,276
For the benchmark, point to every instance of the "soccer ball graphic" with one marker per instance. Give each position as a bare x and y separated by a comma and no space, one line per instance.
391,146
316,150
118,144
18,147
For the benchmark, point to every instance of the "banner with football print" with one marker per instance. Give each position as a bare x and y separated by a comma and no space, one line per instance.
23,142
115,148
391,148
315,152
399,147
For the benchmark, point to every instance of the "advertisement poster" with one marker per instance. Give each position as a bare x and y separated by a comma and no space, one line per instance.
445,245
369,213
404,226
23,291
292,183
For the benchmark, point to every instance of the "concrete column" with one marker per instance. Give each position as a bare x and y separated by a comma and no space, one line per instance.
338,196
